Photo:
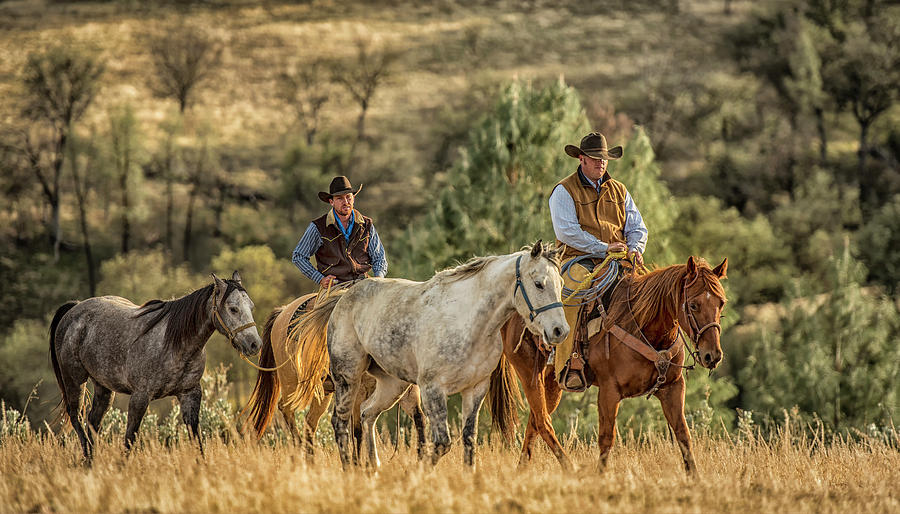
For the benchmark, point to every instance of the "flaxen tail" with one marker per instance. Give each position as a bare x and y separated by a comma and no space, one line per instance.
308,348
264,397
505,400
60,312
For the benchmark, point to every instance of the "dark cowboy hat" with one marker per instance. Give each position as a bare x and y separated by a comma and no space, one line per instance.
339,186
594,145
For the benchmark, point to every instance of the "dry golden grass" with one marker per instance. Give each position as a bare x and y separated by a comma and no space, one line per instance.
246,477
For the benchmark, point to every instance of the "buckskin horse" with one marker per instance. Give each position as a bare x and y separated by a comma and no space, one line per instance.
638,350
151,351
442,334
277,381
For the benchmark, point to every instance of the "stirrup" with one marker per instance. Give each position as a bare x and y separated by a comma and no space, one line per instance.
567,375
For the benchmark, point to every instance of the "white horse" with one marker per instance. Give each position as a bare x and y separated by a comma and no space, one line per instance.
442,334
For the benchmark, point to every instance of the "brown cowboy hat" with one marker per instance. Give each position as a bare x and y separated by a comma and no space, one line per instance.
594,145
339,186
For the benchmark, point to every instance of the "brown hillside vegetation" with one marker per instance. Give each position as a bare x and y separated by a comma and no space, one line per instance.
738,476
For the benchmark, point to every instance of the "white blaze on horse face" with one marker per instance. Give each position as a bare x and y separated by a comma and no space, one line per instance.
542,283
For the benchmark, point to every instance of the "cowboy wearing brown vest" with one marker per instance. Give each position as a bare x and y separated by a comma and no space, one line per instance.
592,214
345,242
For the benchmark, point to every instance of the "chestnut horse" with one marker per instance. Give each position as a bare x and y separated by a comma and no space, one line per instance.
644,321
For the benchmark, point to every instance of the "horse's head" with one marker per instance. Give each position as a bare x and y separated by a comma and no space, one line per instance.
703,299
539,301
232,314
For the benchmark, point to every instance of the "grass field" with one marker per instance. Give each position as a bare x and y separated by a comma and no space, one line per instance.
735,476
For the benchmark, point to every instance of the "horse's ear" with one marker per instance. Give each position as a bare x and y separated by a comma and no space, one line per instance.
537,248
236,276
220,284
691,266
722,269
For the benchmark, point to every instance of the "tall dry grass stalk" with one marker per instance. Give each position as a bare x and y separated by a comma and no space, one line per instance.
40,475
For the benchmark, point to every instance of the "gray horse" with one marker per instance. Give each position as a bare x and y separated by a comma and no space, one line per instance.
149,352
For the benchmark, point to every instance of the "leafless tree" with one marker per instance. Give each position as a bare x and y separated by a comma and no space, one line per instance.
362,75
184,57
60,85
305,88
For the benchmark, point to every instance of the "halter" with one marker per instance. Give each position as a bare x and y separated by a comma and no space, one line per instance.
696,332
223,328
532,312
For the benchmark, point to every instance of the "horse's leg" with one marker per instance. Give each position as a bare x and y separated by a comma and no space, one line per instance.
607,409
316,409
137,407
387,391
672,400
73,395
190,412
434,401
543,398
413,408
99,406
472,399
367,387
347,369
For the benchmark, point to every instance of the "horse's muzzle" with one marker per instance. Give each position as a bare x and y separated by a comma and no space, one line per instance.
710,360
556,335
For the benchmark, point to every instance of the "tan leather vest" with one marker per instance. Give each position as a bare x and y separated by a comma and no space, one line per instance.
600,214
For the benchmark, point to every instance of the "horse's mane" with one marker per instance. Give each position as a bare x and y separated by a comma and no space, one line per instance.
476,264
659,291
186,315
467,269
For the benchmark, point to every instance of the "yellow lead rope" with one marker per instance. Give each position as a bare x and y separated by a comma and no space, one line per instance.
597,270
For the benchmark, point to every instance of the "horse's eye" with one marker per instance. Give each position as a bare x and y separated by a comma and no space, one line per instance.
693,306
233,310
539,286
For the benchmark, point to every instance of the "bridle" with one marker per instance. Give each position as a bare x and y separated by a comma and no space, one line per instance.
532,312
696,331
223,328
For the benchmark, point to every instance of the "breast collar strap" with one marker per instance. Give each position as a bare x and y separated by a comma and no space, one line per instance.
532,312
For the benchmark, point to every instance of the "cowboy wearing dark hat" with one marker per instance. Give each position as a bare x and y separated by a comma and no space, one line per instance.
345,242
592,214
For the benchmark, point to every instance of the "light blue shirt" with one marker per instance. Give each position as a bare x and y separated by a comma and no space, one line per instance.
312,240
569,231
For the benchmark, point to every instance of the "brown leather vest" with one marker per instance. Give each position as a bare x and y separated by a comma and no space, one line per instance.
600,214
346,261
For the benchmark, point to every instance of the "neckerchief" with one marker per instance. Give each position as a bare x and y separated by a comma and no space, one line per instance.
348,230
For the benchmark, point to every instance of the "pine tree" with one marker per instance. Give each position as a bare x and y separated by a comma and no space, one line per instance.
832,354
495,197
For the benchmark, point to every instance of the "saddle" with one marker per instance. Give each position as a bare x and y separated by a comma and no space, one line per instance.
595,309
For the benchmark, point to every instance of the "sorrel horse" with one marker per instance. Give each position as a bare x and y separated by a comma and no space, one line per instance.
638,350
280,384
442,334
149,352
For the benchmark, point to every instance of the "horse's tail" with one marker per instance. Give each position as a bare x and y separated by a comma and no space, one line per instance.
263,398
505,400
309,351
60,312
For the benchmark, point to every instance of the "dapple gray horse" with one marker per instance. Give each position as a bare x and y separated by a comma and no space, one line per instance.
149,352
442,334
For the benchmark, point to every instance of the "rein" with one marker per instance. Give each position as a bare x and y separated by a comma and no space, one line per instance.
532,312
662,359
